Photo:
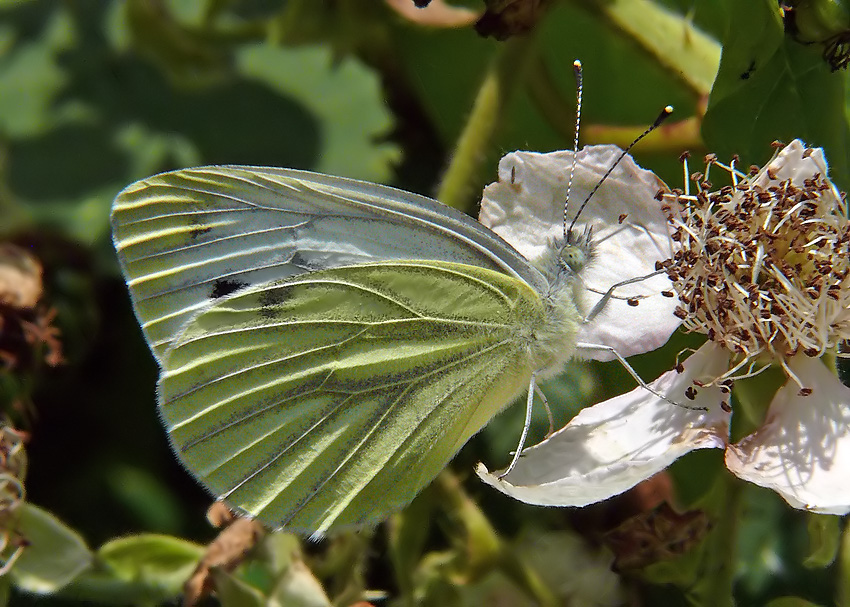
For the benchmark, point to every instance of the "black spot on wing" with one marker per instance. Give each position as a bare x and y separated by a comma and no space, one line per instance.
226,286
270,300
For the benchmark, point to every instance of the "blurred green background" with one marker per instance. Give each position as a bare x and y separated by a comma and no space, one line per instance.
95,94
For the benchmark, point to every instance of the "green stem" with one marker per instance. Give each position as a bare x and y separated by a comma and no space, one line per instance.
14,214
722,553
481,550
752,397
487,111
842,598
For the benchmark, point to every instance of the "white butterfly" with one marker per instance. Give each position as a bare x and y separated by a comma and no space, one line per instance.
327,345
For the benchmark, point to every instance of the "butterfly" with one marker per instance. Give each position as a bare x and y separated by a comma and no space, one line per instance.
327,345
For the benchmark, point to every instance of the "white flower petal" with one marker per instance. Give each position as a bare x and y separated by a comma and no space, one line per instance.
610,447
803,449
793,162
630,233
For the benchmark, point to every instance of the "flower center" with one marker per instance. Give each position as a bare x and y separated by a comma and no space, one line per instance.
763,264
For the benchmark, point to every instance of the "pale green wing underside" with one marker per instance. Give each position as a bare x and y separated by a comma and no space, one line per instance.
332,398
189,237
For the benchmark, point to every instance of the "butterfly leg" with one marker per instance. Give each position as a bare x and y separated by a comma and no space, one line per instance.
532,388
600,305
548,410
634,374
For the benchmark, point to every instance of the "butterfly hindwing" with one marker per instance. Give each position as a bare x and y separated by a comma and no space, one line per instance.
188,238
331,398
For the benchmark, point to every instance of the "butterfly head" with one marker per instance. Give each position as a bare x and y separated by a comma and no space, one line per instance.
576,251
564,259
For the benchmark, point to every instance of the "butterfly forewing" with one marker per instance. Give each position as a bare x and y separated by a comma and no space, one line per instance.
190,237
331,398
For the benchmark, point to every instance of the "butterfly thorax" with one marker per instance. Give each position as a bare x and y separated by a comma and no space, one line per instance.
560,263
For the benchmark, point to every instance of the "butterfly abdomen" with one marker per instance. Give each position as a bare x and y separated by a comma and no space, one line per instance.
555,337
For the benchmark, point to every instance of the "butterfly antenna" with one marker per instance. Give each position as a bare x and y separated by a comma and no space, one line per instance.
579,89
661,118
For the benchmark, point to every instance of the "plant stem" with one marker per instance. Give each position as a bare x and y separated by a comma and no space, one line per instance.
480,550
842,598
722,554
487,111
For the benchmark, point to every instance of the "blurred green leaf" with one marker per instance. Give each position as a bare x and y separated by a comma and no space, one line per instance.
55,554
824,539
30,73
407,535
145,496
285,579
791,601
769,88
298,587
185,56
138,570
350,140
233,592
279,550
671,39
156,559
577,573
759,545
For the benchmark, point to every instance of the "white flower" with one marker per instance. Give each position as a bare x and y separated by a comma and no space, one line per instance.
762,268
630,234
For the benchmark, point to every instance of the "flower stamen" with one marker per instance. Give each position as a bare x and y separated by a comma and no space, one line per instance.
763,264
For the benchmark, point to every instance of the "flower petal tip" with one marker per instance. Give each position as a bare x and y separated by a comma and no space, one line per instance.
802,451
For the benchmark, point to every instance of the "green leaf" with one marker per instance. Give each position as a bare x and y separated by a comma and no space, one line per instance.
824,538
309,76
293,585
576,572
670,39
770,87
138,569
233,592
791,601
298,587
407,534
55,556
146,496
151,556
280,550
187,57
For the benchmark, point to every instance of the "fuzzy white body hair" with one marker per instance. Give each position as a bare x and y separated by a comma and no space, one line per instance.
554,342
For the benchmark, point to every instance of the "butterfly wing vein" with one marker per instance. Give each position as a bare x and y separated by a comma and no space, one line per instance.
190,237
332,398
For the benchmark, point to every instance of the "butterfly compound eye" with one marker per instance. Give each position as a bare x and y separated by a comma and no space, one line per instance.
574,257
